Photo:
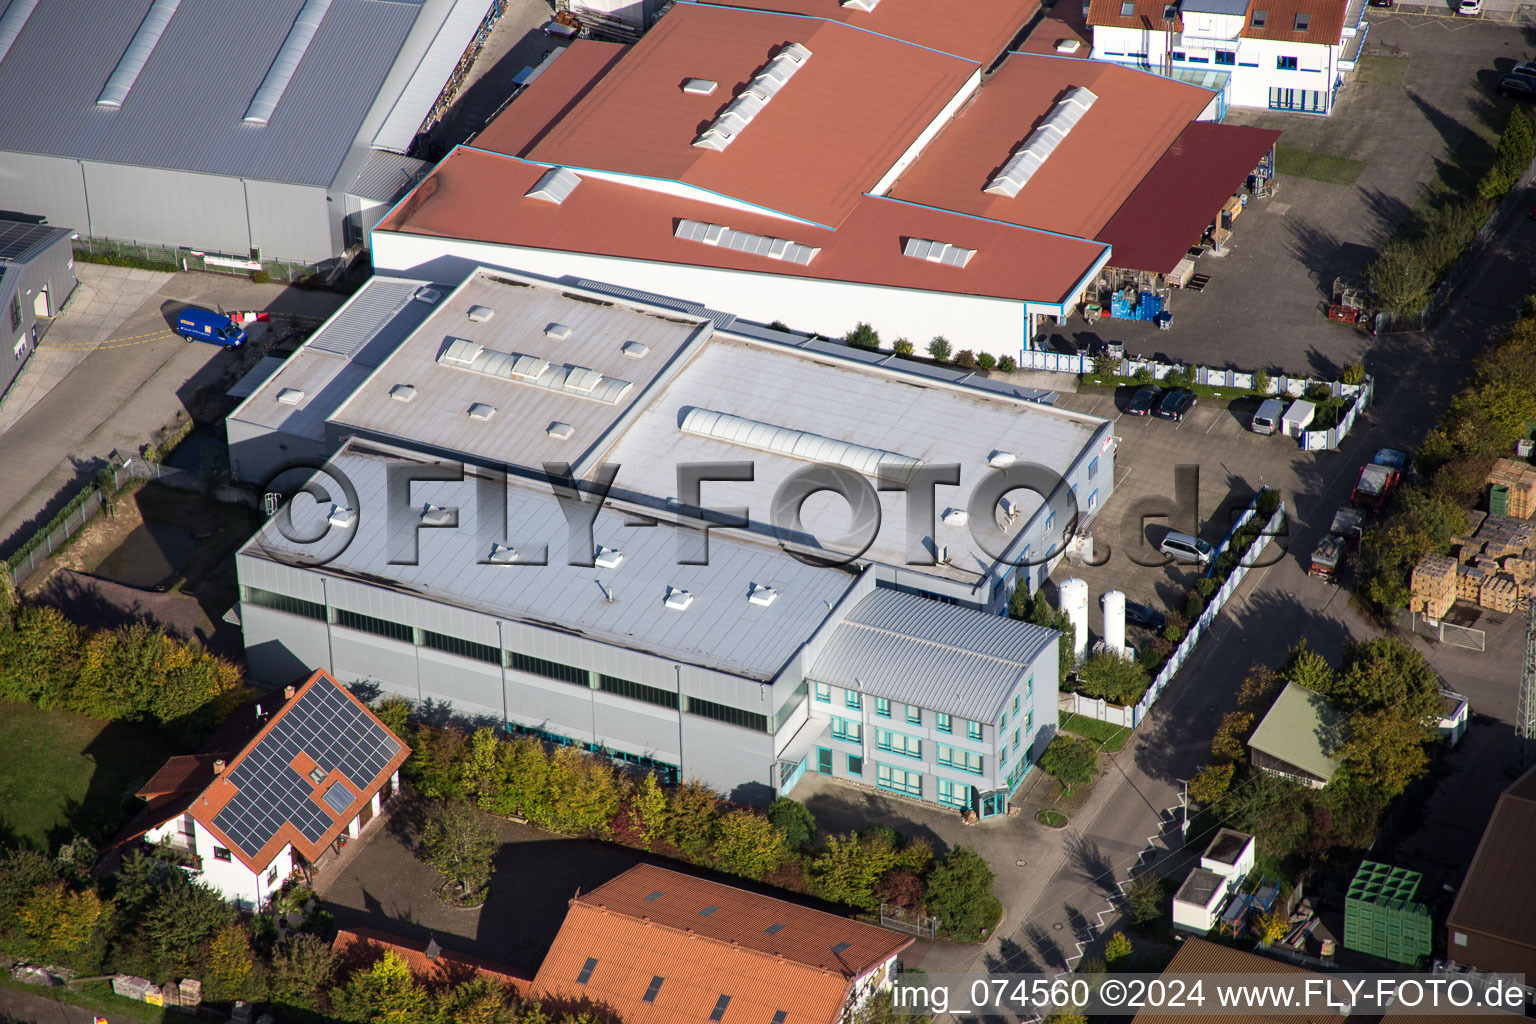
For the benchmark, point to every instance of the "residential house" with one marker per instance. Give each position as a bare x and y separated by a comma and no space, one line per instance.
1299,737
428,960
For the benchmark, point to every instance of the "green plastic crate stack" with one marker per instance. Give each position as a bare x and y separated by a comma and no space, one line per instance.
1381,917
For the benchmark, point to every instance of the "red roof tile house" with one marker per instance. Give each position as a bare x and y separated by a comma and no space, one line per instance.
428,961
316,773
1276,54
659,947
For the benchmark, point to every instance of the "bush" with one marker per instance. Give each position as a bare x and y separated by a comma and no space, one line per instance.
260,277
1071,760
748,844
965,359
1144,898
1175,628
863,336
1262,382
960,895
1400,278
1353,373
1517,145
1194,604
1317,391
779,325
1007,364
1106,366
1179,377
986,361
1112,677
794,821
902,347
1211,783
1205,586
1143,376
939,349
1116,948
458,845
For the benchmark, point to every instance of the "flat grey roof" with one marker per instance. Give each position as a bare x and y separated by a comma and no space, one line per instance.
930,420
916,650
20,241
187,108
1201,885
721,629
522,315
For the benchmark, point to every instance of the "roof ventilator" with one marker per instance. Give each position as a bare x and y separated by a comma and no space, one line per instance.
437,515
557,331
781,67
762,595
554,185
608,558
535,372
1031,154
678,599
699,87
481,411
427,295
559,430
799,444
12,22
502,555
861,5
290,396
271,90
938,252
340,515
480,314
999,458
741,241
956,516
144,41
635,349
402,393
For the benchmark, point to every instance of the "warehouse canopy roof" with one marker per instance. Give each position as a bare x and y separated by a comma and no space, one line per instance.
915,650
1302,728
1134,120
186,109
1171,208
1498,897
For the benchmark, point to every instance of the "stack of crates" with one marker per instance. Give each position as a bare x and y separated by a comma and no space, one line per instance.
1381,918
1512,488
1469,582
1434,586
1500,593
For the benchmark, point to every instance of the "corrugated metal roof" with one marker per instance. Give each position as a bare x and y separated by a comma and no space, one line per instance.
919,651
15,16
1302,728
372,318
1498,897
186,108
385,177
452,38
22,240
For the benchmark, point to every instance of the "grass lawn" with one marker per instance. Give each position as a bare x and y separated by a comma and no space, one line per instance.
1051,819
1112,738
1381,70
1302,163
1095,385
64,773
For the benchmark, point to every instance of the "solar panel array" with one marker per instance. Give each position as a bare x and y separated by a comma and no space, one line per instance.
19,239
331,730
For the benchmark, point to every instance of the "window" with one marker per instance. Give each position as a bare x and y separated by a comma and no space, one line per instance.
779,1015
724,713
379,627
882,707
547,669
1177,55
1015,705
824,693
1029,687
855,764
1303,22
847,729
1170,12
655,987
1015,741
15,312
719,1011
219,853
1260,18
1002,723
964,760
942,722
585,975
1029,724
824,760
792,703
953,794
1226,57
973,730
898,743
637,691
282,603
1313,101
1127,8
1050,517
1285,63
1460,938
914,715
1002,755
898,780
1093,467
463,648
853,699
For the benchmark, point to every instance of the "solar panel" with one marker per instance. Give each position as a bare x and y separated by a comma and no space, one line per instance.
773,929
338,798
841,946
333,732
18,239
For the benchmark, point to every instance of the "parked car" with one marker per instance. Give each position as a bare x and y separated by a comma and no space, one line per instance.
1146,618
1470,8
1267,419
1394,458
1525,67
1183,548
198,324
1176,403
1142,401
1520,86
1381,3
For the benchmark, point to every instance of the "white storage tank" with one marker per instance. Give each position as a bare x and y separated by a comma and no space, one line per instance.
1074,601
1114,621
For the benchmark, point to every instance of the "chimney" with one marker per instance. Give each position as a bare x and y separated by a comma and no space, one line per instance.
433,950
288,692
218,766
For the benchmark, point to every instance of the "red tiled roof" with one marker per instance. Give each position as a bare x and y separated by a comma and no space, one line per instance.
185,773
1061,22
979,32
1326,20
1183,194
550,96
362,946
1136,118
824,139
702,957
606,218
1147,14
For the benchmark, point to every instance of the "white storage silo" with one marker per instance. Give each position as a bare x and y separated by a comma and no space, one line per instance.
1114,621
1074,601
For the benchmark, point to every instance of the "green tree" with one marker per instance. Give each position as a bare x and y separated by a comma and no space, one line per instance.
848,869
1038,609
226,970
178,923
1400,277
436,765
530,787
1384,751
650,807
485,772
863,336
457,845
1262,382
1144,898
902,347
1272,926
1072,760
385,993
21,872
794,820
939,349
479,1001
1112,677
302,967
1387,673
1305,667
1273,810
1211,783
748,844
1006,364
960,895
693,817
1229,744
586,792
62,924
395,713
1116,948
39,657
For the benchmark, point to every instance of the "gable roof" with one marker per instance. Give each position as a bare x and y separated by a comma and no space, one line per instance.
1197,956
1498,896
363,946
184,773
1146,14
269,797
1302,728
616,943
1325,17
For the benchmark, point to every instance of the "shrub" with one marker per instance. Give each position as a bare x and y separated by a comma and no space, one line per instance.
1262,382
1353,373
1211,783
986,361
1144,898
863,336
939,349
965,359
748,844
960,895
1007,364
1175,628
1106,366
1179,377
1143,376
1317,391
1116,948
457,845
1071,760
794,821
901,887
779,325
1400,278
1205,586
260,277
1194,604
902,347
1112,677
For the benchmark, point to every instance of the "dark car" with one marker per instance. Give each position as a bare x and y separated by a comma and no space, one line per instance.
1381,3
1176,403
1522,86
1142,401
1141,615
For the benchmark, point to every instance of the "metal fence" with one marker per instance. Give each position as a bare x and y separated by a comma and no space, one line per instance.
172,258
1443,632
903,920
1332,437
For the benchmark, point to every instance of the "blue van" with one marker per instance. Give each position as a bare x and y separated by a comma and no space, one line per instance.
197,324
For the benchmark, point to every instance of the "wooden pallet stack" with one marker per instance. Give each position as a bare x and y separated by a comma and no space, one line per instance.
1519,477
1469,583
1434,586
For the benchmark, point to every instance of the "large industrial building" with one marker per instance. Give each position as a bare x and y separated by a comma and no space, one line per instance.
744,656
817,171
233,130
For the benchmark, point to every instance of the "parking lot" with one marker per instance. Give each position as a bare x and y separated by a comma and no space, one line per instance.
1423,96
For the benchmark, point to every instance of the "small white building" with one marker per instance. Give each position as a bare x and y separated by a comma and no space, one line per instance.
1274,54
318,771
1454,711
1226,862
